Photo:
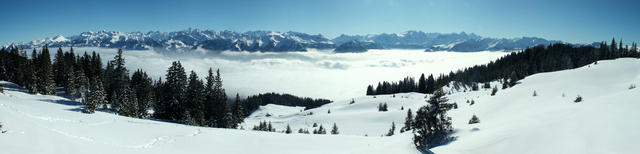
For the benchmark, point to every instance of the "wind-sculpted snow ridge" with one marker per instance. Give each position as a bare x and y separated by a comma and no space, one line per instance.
270,41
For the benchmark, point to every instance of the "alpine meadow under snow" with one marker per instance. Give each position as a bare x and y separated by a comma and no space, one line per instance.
515,120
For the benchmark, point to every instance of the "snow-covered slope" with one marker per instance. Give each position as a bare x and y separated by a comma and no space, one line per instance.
513,121
49,124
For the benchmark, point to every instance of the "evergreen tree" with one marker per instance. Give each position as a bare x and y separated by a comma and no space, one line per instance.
195,100
392,130
46,82
431,83
321,130
119,78
422,84
494,91
218,114
81,83
96,96
288,131
70,83
129,102
238,112
513,79
408,121
175,91
370,90
141,84
58,67
334,130
432,125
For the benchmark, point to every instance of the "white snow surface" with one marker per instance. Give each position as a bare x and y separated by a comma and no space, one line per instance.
42,124
512,121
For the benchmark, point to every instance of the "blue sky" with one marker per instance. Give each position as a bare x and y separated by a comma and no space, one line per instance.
571,20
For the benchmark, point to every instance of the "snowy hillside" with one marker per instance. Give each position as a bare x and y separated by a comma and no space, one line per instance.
49,124
513,121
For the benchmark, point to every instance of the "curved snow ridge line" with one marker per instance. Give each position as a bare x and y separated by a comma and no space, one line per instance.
50,119
72,136
165,139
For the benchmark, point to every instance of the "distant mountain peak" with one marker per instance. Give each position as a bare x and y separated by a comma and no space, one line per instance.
274,41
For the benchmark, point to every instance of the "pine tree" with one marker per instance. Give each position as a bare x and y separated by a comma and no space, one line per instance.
494,91
513,79
431,84
96,96
370,90
129,103
392,130
613,49
288,131
81,83
70,83
408,121
321,130
238,112
46,83
422,84
432,125
195,100
176,85
1,89
141,84
119,78
218,112
334,130
58,67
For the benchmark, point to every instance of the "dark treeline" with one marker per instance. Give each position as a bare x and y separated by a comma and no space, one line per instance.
179,98
253,102
513,67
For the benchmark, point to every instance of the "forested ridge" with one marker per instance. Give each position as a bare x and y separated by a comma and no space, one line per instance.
180,97
513,67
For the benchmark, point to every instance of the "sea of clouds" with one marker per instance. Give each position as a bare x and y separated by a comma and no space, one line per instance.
317,74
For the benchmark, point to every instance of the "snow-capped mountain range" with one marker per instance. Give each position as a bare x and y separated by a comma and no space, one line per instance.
270,41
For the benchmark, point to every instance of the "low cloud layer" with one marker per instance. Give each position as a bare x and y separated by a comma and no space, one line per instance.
318,74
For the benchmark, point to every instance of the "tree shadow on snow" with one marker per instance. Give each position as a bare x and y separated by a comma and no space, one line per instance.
7,86
437,139
62,102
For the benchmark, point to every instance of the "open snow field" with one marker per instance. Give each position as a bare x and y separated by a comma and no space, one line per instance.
318,74
513,121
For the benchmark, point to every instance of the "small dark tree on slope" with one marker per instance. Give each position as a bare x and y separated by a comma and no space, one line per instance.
578,99
334,130
432,125
382,107
288,131
474,119
408,121
392,130
321,130
494,91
